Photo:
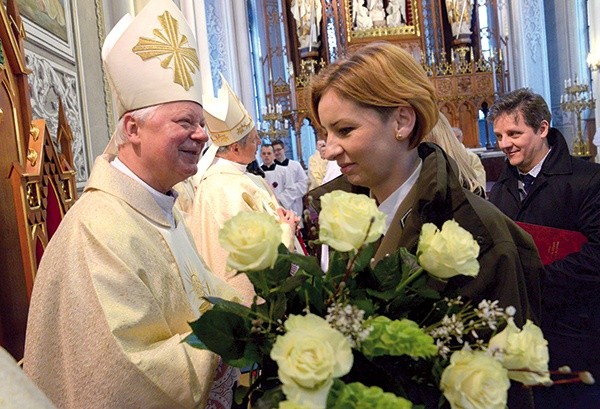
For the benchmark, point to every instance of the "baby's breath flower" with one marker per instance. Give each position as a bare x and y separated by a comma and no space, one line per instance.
349,320
451,302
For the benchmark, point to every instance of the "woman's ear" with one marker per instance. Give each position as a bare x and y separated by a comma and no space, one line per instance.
405,119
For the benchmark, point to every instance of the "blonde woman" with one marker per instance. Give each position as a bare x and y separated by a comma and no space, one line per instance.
375,121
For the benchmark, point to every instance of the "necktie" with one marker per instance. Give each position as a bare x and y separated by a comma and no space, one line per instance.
528,183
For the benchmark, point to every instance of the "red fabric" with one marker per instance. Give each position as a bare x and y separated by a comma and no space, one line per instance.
53,213
301,241
552,243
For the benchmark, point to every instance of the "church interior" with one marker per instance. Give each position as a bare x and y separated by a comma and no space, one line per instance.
57,115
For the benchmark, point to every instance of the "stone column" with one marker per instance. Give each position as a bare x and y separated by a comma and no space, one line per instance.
528,52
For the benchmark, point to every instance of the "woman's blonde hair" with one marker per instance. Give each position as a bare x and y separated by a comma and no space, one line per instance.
443,135
380,76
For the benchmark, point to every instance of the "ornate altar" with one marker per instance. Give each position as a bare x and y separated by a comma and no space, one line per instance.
37,184
458,42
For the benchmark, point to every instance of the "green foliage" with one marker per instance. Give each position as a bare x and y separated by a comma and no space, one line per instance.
397,337
244,336
358,396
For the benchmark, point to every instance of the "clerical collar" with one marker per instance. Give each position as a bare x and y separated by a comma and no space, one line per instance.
268,168
390,205
285,162
239,166
535,171
164,201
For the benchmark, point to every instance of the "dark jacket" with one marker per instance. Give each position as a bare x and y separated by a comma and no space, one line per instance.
566,195
510,267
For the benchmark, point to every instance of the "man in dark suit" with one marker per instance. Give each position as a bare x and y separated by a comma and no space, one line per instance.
541,183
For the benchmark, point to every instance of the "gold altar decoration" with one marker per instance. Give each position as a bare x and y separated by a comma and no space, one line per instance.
360,24
577,98
273,126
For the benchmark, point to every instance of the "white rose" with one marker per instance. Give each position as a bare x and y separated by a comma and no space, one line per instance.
251,238
449,252
345,219
523,349
286,404
475,380
309,356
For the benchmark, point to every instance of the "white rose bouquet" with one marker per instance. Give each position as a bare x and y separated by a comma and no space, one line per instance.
363,335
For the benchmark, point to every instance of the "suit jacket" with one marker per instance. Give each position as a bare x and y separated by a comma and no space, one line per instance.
566,195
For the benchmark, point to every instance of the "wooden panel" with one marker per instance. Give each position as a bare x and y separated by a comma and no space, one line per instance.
14,302
37,185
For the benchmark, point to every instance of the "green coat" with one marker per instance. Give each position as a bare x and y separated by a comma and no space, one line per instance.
510,266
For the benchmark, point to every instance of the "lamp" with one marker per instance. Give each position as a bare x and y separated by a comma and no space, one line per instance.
577,98
273,126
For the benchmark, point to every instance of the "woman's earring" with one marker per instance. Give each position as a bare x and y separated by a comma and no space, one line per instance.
399,136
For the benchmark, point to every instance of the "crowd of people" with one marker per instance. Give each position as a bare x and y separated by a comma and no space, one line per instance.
133,260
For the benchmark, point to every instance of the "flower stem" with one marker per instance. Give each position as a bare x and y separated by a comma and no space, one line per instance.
410,279
349,267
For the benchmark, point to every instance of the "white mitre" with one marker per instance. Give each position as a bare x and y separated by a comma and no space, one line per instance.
151,58
227,122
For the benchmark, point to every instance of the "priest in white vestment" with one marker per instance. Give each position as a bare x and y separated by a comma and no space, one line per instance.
225,188
121,279
276,176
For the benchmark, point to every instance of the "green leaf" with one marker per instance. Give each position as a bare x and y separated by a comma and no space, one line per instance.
307,263
194,341
270,399
278,306
223,332
428,292
221,304
291,284
364,257
252,354
314,294
409,262
337,266
386,272
240,395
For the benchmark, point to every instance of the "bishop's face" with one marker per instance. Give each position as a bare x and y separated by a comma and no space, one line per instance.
248,152
167,144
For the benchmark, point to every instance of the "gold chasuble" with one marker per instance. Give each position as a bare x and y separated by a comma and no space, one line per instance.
224,191
114,294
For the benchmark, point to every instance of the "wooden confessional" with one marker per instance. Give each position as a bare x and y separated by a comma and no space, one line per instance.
37,183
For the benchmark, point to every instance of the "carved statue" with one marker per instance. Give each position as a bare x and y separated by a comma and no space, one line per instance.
459,16
360,16
376,12
396,11
308,15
